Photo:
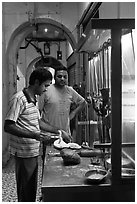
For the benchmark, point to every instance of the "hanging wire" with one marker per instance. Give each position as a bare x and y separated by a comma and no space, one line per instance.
103,68
89,80
109,60
97,67
101,74
107,54
91,90
93,74
104,62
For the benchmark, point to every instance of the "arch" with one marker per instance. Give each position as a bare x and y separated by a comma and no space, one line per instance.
49,62
29,27
16,40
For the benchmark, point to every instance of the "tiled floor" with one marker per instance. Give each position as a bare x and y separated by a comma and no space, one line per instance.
9,184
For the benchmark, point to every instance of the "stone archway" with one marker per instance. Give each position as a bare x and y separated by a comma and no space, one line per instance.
16,40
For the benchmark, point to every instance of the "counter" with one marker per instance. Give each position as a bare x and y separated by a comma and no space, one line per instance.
67,183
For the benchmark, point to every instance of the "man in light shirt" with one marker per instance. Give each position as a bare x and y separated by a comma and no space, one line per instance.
55,103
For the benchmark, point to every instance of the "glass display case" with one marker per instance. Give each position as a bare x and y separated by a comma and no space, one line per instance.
111,85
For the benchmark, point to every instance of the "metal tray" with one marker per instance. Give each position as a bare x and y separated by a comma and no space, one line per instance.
128,173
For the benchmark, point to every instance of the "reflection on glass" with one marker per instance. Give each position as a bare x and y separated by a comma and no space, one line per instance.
128,97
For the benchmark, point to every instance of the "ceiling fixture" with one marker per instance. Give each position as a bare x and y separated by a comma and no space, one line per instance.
83,34
46,30
59,53
47,48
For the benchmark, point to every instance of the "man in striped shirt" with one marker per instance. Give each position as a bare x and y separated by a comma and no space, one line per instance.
23,123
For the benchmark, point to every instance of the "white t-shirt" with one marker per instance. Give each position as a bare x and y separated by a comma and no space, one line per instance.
55,105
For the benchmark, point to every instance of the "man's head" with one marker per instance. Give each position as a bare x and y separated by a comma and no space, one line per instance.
40,79
61,76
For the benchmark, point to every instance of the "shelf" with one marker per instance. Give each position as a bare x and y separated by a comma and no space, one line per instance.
87,122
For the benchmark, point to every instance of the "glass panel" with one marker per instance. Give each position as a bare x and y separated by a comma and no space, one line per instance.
95,40
128,99
99,79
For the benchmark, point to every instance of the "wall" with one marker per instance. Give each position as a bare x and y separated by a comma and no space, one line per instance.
4,91
117,10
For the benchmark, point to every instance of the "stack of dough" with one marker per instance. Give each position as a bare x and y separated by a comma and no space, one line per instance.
70,157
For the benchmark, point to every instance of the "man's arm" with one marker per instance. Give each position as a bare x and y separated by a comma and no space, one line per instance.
11,127
45,126
77,110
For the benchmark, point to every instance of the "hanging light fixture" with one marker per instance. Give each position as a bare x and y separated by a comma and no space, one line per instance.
47,48
59,53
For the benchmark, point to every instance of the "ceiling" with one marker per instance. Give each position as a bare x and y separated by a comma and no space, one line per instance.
47,32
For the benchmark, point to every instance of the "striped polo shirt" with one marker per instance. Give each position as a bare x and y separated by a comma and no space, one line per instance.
23,110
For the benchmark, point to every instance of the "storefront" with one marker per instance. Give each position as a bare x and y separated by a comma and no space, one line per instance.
110,84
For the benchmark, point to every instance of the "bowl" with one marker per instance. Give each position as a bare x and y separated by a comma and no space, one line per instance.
95,176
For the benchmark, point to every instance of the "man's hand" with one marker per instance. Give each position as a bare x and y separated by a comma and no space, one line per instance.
77,109
40,136
66,136
45,138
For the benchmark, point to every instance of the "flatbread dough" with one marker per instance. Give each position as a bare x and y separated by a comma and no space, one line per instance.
74,145
60,144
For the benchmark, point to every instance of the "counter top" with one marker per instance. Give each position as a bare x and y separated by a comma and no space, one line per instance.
58,174
68,184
